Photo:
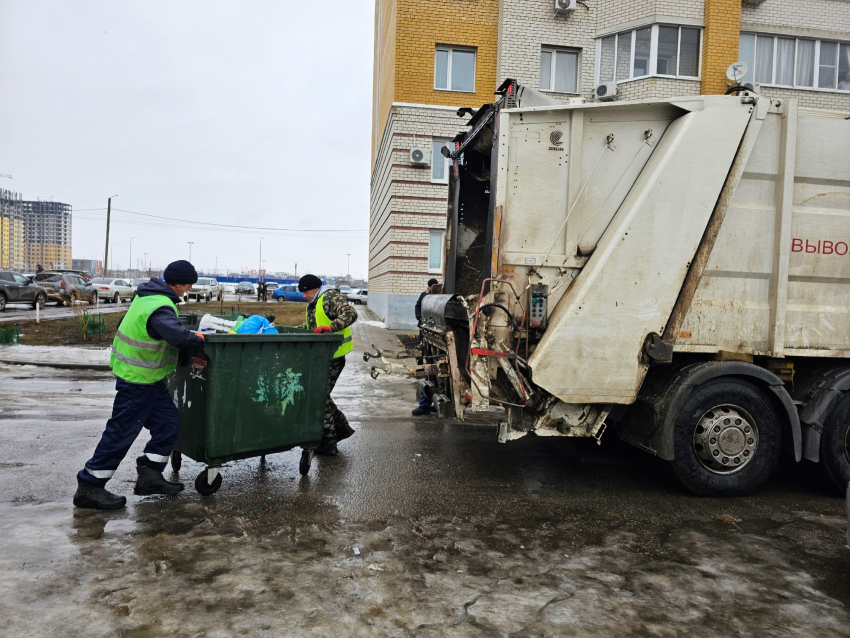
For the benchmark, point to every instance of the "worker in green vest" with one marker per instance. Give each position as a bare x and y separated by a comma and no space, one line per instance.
329,311
147,345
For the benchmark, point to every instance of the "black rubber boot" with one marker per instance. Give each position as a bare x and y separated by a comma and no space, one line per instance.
344,431
327,448
423,411
151,481
94,497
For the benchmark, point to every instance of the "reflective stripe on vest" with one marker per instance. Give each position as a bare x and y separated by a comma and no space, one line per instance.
322,320
136,357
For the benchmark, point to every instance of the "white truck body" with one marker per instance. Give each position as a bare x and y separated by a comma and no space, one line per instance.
618,261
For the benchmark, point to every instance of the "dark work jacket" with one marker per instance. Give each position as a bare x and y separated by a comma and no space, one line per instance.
417,310
163,324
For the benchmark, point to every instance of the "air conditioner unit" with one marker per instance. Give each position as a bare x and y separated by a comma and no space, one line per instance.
564,7
420,156
606,91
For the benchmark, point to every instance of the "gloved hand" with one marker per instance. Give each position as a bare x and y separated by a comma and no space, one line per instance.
200,334
321,329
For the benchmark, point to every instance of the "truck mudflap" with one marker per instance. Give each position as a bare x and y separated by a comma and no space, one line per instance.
651,420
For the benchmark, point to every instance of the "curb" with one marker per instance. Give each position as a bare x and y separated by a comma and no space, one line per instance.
101,367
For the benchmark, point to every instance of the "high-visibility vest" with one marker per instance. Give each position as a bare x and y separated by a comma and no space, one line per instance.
136,357
322,320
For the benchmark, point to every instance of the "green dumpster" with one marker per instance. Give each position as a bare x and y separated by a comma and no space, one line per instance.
251,395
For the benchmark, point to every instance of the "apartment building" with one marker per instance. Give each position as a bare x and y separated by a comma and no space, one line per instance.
47,234
433,58
11,231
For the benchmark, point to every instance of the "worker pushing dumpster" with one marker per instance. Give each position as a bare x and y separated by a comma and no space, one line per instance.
250,395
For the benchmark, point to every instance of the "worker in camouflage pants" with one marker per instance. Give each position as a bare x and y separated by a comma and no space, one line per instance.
329,311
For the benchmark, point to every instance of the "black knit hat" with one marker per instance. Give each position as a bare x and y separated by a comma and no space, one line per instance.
180,272
309,282
432,281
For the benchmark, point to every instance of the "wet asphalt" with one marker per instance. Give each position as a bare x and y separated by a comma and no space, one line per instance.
420,527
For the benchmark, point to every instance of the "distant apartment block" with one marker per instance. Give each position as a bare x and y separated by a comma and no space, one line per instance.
435,57
47,234
11,231
93,267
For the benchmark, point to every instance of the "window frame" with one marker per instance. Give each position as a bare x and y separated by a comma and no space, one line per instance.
815,62
431,233
554,51
450,49
439,156
653,53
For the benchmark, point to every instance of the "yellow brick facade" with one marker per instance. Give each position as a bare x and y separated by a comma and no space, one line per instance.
410,31
11,243
49,256
720,43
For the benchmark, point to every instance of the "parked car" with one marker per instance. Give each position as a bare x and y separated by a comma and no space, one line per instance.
358,297
345,290
244,288
16,288
206,289
288,292
271,286
66,287
114,290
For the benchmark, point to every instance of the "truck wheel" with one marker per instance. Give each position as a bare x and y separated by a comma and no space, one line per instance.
204,488
835,445
726,438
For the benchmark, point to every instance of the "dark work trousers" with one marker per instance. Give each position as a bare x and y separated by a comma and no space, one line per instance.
424,401
136,406
333,416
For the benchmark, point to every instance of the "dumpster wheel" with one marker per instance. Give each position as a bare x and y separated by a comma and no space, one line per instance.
202,484
176,461
306,462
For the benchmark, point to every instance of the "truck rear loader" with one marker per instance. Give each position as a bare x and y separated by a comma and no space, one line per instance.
674,270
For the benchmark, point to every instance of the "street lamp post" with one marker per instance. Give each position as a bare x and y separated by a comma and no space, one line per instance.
261,258
349,265
190,250
144,263
106,249
131,256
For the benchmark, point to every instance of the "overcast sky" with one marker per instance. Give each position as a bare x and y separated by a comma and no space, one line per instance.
248,112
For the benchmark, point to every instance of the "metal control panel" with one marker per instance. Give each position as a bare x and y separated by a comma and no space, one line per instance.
539,306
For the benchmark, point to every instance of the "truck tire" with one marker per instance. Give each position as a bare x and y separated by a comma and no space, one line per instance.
726,439
835,445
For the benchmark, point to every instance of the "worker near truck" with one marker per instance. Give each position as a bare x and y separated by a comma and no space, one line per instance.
148,343
329,311
425,405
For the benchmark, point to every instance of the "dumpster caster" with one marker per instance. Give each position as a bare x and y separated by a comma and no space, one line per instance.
306,461
203,485
176,461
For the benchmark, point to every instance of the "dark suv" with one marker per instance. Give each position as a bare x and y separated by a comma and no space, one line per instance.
15,288
66,287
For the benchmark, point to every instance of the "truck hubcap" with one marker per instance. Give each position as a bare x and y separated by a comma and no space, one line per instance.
725,439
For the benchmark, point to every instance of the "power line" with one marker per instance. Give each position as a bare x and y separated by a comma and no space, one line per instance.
237,226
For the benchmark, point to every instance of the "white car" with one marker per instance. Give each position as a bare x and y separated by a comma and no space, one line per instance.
113,290
358,297
206,288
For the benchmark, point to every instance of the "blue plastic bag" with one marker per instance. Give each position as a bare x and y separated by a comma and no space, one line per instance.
257,325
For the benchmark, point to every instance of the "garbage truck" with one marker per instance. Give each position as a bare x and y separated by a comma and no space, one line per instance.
673,271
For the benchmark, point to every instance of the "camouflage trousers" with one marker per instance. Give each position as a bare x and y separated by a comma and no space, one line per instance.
333,415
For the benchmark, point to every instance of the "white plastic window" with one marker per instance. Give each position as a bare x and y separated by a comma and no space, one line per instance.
559,71
795,62
671,51
435,251
439,163
454,69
